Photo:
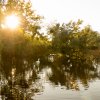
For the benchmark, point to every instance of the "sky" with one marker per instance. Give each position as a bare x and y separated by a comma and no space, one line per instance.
66,10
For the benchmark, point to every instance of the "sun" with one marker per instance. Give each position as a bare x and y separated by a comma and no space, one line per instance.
12,21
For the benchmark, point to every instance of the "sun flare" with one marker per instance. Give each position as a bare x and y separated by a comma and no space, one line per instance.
12,21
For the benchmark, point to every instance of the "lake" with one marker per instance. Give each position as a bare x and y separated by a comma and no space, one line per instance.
58,92
56,80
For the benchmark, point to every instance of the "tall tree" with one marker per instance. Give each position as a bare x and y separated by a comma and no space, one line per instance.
29,20
71,37
18,41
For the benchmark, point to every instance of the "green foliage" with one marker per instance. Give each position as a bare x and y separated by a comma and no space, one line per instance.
29,20
24,42
72,38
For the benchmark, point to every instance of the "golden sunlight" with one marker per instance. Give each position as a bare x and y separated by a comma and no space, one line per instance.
12,21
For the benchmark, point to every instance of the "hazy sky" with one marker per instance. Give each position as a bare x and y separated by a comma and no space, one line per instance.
66,10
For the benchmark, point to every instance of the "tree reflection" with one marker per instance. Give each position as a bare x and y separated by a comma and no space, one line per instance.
19,80
71,71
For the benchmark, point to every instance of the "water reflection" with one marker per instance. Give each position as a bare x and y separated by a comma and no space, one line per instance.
70,73
21,79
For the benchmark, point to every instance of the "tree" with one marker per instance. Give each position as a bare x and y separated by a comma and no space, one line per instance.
71,39
25,39
63,35
29,20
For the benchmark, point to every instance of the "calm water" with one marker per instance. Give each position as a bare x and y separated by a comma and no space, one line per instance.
52,80
58,92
